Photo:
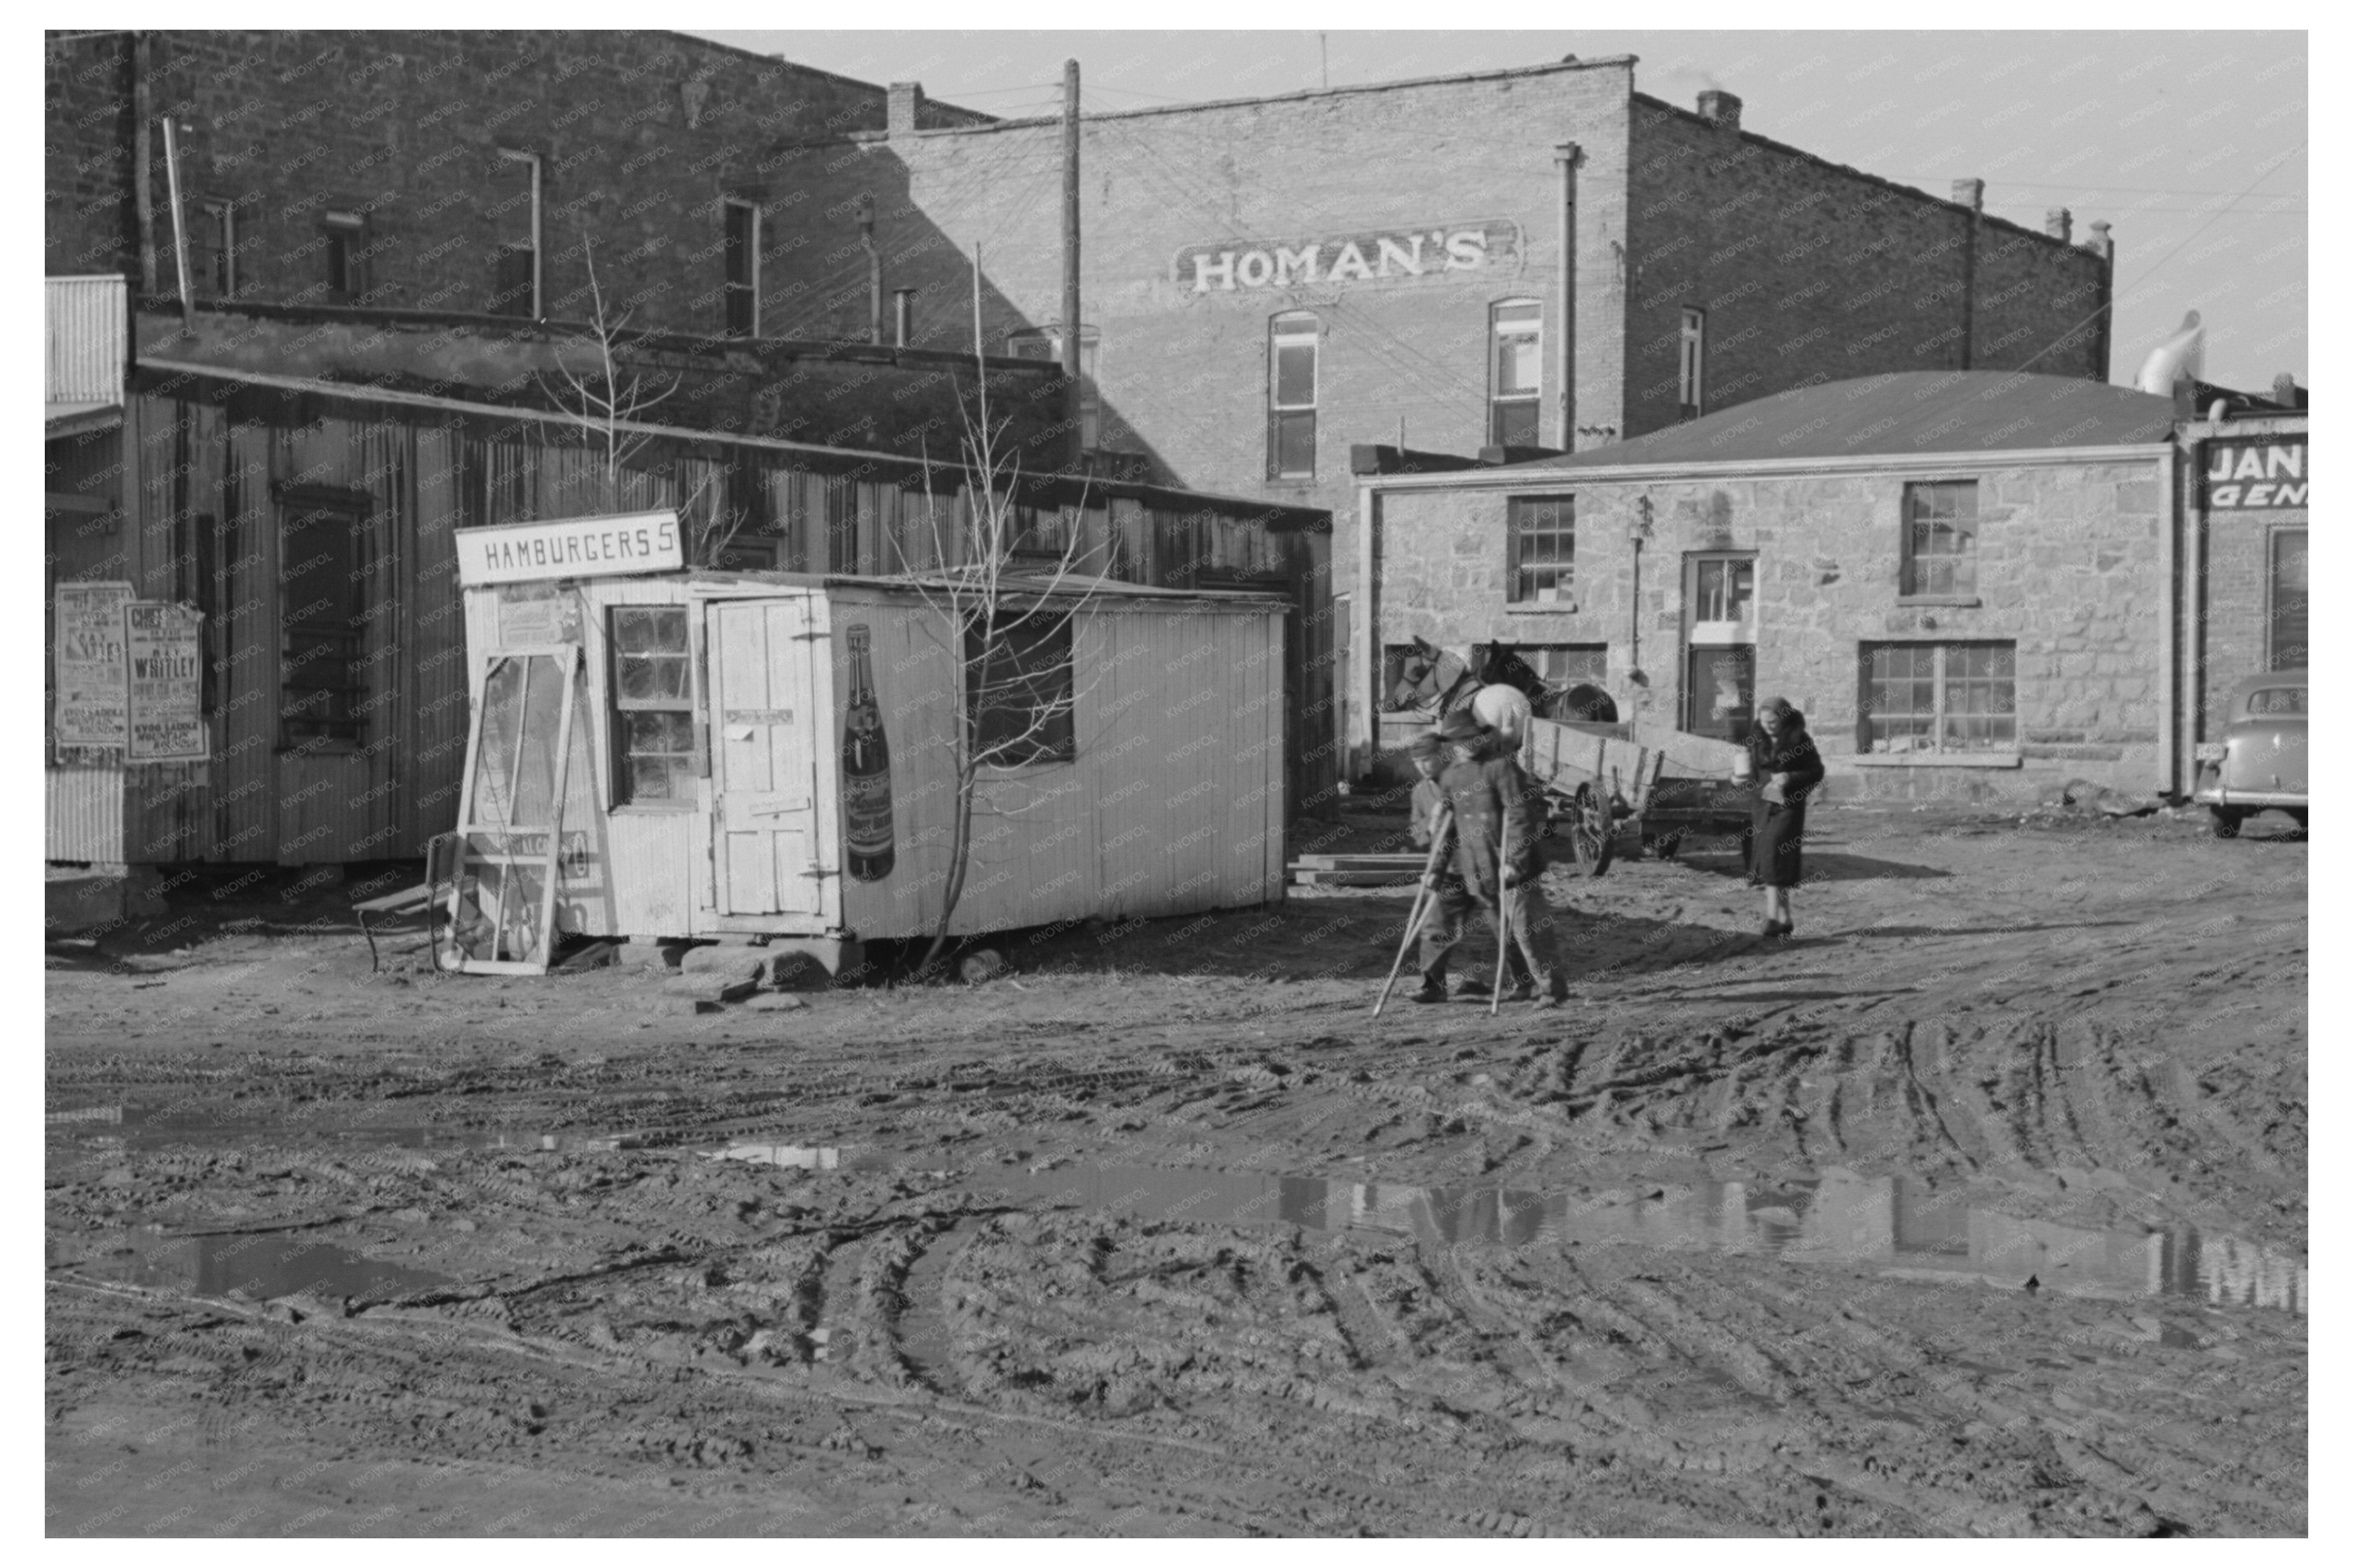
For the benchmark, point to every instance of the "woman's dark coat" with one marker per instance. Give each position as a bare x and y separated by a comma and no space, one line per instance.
1777,831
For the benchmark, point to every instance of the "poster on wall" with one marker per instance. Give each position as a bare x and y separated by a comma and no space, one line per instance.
165,708
91,669
866,769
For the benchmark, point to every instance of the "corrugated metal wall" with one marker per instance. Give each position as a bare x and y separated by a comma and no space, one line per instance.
86,322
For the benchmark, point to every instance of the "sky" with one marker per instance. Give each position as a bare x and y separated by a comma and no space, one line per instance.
2192,146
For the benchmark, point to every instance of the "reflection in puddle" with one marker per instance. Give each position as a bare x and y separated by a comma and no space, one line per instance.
258,1268
1895,1222
788,1154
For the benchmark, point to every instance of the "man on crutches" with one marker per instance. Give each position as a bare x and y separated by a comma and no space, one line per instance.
1497,865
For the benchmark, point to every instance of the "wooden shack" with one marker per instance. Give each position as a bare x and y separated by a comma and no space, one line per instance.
719,734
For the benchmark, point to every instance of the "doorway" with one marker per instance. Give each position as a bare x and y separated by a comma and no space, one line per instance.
1719,695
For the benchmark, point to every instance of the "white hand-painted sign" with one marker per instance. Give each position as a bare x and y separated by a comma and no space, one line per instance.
1232,265
571,547
2242,476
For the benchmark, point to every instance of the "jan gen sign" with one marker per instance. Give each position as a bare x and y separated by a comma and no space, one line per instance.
571,547
2258,475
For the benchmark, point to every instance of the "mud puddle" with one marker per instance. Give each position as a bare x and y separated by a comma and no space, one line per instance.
1895,1224
254,1268
141,1127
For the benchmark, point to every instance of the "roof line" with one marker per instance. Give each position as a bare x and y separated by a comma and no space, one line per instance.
1551,479
792,65
1304,95
1127,489
1868,177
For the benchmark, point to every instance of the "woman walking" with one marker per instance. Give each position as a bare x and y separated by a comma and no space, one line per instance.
1787,768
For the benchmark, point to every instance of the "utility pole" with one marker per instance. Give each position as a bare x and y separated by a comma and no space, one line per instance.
1071,362
1568,154
142,157
179,221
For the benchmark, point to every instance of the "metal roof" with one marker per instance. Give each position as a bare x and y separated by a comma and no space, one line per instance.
1898,413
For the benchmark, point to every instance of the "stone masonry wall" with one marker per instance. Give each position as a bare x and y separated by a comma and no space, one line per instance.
640,134
2067,568
1811,271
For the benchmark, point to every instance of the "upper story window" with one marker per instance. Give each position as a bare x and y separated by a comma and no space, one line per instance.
742,289
1940,540
1516,373
1292,352
1046,343
220,220
347,235
1541,534
1691,375
516,284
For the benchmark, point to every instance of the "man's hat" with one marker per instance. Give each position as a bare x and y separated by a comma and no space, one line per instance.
1460,726
1424,746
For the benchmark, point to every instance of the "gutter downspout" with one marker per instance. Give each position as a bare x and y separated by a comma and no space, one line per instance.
2169,621
1364,630
1568,155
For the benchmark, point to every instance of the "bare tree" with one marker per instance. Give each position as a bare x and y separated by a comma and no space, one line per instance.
987,611
611,405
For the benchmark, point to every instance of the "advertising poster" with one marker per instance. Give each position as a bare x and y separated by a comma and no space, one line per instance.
92,671
166,687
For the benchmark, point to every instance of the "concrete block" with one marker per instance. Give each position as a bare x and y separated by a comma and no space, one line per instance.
747,964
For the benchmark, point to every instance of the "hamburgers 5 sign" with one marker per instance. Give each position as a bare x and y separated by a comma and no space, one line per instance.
2258,475
1232,267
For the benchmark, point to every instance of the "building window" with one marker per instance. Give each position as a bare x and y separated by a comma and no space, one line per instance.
742,290
1541,539
2291,602
1291,396
1724,590
321,589
1939,697
515,288
1046,343
653,707
1019,689
1516,373
221,243
1940,540
1691,377
346,249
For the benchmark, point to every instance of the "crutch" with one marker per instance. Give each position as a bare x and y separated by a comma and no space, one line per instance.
1442,823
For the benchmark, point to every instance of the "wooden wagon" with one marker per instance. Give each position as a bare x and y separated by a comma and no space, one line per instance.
1609,785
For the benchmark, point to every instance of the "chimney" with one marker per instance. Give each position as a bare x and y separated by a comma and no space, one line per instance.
2059,224
1969,193
2284,391
906,103
2100,241
1720,108
904,300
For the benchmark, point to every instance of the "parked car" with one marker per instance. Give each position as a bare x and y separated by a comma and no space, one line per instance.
2259,763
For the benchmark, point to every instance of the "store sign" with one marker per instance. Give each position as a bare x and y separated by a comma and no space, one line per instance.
90,665
1227,267
573,547
2258,475
165,646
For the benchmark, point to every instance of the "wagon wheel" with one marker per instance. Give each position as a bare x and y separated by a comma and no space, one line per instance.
1590,832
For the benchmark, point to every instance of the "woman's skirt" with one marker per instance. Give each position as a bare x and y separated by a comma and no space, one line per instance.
1775,842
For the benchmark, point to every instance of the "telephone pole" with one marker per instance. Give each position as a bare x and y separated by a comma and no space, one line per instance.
1074,405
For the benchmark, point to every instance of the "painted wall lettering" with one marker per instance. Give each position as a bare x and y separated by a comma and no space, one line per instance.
2251,476
1227,267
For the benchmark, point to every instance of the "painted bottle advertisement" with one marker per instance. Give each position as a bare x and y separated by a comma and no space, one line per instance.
865,770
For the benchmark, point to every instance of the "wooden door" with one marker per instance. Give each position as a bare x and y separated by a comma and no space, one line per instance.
766,757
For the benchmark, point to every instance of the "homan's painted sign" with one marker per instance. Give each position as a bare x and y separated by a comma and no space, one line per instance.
571,547
1227,267
2258,475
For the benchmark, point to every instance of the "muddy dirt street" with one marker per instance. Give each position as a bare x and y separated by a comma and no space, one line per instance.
1976,1208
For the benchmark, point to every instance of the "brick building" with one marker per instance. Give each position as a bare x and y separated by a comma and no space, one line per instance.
1968,581
2247,487
1266,282
446,171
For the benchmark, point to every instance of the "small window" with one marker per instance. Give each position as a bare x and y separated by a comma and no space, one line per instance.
1939,697
653,707
1542,540
1046,343
1940,540
220,219
346,252
1018,690
515,274
321,588
2291,618
1292,350
1516,373
1724,588
743,285
1690,378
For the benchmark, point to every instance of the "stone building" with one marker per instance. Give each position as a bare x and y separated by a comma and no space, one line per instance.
1266,282
1968,581
445,171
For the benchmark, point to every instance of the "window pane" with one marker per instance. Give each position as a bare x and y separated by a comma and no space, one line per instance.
1295,375
1519,362
1515,424
1295,443
2290,601
650,779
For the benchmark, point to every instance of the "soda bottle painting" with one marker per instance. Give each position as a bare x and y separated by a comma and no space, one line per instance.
865,770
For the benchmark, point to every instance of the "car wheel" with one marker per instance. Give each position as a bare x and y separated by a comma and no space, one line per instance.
2226,822
2301,825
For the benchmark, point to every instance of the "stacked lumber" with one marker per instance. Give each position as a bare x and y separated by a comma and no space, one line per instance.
1357,871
